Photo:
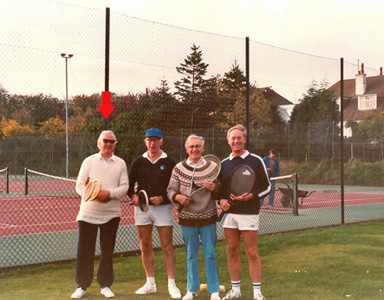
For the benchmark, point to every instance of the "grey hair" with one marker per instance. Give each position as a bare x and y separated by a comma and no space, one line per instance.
238,127
194,136
101,133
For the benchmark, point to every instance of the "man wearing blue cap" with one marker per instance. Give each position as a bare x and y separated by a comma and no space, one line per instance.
151,172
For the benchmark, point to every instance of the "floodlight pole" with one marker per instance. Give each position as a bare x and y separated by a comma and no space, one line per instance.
66,56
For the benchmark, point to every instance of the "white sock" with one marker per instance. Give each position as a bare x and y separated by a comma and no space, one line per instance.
236,285
171,281
256,288
151,280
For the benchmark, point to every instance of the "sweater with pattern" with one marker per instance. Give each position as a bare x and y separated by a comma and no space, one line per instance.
202,209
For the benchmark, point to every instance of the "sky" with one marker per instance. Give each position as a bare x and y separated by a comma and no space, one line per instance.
332,28
329,29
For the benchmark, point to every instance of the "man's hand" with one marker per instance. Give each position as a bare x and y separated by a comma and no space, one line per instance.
210,186
103,196
243,197
135,200
156,200
182,199
225,204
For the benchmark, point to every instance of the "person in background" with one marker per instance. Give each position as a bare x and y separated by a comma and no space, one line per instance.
273,167
242,217
102,213
197,217
151,172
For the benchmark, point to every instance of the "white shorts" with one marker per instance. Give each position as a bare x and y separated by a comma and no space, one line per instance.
241,222
161,215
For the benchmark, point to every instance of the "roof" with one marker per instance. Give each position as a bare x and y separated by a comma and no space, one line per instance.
277,99
375,85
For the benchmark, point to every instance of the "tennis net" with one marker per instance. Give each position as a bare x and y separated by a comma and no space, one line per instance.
283,196
38,183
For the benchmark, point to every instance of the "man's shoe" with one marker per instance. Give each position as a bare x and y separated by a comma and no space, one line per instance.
147,288
190,296
174,291
107,293
258,297
78,293
215,296
232,294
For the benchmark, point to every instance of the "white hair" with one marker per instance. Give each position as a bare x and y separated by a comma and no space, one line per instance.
194,136
102,133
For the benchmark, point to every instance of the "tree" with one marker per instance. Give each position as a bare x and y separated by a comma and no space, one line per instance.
372,126
11,128
190,89
52,127
319,104
312,121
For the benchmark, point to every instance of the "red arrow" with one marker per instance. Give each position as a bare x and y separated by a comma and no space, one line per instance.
106,108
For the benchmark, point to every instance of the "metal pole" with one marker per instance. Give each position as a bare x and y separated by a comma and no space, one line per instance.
107,30
247,87
342,138
66,56
295,194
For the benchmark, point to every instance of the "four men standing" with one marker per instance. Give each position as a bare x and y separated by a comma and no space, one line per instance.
166,183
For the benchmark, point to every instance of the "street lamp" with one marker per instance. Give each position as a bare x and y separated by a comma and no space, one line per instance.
66,56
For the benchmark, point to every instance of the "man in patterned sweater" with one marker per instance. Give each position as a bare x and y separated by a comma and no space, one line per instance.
197,217
151,172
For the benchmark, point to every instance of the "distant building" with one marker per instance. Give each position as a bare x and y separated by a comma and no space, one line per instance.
361,95
285,106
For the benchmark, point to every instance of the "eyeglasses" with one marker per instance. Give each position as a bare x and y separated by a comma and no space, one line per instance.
194,146
105,141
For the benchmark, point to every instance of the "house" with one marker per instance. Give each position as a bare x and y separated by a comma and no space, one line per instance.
285,106
361,95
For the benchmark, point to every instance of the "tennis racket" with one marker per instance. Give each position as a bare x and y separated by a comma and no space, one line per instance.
212,167
143,200
242,182
92,190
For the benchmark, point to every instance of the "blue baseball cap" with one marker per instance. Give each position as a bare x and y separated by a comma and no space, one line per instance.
153,132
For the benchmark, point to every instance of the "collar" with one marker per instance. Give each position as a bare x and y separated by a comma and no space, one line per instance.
193,165
112,158
246,153
163,155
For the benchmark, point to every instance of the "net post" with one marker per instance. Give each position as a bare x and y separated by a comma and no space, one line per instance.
26,181
295,193
7,179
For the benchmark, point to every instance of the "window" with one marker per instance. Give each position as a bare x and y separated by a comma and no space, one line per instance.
367,102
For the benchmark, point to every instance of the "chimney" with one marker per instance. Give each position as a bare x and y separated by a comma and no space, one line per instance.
361,82
381,71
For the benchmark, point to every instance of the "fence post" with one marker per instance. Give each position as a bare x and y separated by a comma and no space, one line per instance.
7,175
295,193
26,181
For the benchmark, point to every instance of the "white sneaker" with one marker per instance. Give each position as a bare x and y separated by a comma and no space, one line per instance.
174,291
147,288
232,294
78,293
190,296
215,296
107,293
258,297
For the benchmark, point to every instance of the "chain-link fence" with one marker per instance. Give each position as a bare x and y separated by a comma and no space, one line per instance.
181,81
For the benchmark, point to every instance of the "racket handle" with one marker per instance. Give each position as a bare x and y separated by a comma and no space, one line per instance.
221,215
180,208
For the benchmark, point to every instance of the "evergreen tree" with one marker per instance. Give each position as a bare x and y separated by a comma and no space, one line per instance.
190,89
